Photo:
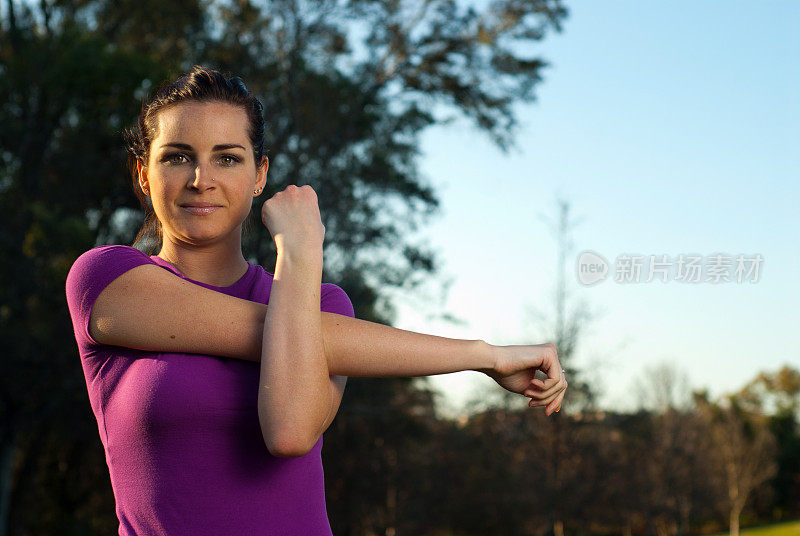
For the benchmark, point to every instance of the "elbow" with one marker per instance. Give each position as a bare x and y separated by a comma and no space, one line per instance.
283,440
287,445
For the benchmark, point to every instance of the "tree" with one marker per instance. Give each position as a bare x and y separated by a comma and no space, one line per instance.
745,447
71,76
563,325
62,94
675,460
775,393
778,395
663,387
376,463
566,319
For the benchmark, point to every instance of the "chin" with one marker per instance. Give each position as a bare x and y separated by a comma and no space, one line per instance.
193,235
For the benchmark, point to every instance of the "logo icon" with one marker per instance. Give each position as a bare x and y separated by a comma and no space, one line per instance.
592,268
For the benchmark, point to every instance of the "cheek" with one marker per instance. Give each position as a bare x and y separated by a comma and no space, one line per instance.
245,203
156,180
164,195
244,193
161,194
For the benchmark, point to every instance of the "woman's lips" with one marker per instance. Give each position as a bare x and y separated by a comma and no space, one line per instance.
199,211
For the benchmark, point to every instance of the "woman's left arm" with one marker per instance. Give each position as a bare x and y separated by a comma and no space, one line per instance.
293,362
297,396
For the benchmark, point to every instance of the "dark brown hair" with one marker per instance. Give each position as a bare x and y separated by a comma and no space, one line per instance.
200,85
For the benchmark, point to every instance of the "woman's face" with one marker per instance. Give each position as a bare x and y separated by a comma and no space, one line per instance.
201,155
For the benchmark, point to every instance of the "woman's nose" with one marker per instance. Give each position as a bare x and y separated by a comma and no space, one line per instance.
203,176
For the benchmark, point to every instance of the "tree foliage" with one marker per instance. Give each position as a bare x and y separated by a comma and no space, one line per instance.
347,87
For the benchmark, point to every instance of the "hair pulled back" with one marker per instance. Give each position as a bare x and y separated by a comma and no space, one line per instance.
200,84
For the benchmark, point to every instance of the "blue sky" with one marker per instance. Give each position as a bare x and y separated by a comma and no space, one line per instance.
671,128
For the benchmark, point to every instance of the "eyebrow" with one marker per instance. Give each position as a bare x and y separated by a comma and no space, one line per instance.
220,147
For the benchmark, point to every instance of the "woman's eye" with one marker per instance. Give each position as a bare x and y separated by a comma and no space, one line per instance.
230,158
171,158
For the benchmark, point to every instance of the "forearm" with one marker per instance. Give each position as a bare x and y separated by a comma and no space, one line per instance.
355,347
294,390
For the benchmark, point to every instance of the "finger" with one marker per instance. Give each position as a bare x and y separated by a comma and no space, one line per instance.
550,363
550,387
540,388
542,384
554,405
544,401
547,401
547,383
558,391
557,402
549,407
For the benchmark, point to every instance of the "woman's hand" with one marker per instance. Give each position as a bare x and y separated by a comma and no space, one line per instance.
293,219
515,370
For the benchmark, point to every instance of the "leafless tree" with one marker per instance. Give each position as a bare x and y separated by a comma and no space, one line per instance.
663,387
745,448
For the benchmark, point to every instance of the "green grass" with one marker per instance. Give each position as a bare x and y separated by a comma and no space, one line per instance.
791,528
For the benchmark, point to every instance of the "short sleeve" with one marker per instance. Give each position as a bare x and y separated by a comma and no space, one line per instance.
92,272
336,300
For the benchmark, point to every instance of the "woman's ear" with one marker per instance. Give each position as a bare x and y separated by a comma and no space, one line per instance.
144,184
261,173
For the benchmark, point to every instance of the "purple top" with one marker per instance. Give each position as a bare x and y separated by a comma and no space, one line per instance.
181,433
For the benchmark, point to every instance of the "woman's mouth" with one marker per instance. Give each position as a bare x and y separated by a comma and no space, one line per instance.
199,211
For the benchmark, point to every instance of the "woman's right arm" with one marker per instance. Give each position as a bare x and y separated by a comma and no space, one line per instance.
148,308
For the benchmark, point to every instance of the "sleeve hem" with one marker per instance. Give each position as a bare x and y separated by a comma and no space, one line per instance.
89,275
336,300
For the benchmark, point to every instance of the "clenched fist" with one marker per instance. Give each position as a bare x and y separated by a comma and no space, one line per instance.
293,219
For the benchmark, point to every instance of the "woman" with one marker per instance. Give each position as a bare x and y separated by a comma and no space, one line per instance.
210,404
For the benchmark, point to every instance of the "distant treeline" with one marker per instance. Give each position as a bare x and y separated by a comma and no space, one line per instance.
393,468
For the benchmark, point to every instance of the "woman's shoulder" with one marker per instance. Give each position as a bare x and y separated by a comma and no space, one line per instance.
110,253
336,300
101,264
109,256
92,272
113,250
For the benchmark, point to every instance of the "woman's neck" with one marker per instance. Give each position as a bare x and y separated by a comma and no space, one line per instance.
219,265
